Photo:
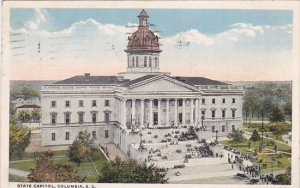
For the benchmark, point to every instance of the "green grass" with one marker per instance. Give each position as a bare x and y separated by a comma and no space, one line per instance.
30,155
85,169
14,178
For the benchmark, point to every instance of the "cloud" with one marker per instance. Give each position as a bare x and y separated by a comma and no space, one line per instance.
40,15
242,52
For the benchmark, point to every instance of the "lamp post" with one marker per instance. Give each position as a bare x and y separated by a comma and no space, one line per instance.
217,134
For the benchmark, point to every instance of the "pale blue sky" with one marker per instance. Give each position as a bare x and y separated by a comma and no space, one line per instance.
169,21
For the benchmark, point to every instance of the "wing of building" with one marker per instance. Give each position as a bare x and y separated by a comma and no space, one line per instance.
114,108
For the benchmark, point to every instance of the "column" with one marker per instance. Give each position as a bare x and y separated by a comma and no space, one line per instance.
158,111
167,112
151,112
175,112
197,112
124,113
142,113
192,111
133,111
183,111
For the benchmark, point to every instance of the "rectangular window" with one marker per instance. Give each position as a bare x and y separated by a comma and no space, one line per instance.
53,136
223,113
53,118
180,102
203,101
80,118
94,117
233,100
106,102
155,103
53,104
213,114
80,103
106,117
223,128
94,103
213,128
233,113
67,136
67,103
203,112
94,134
106,133
223,100
213,100
67,118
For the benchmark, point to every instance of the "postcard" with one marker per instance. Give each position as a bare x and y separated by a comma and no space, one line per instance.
152,93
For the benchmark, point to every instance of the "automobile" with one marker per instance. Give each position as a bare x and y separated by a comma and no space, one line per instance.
177,173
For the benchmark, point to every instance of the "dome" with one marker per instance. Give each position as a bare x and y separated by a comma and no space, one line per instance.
143,38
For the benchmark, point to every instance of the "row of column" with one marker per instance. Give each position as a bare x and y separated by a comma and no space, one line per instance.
123,111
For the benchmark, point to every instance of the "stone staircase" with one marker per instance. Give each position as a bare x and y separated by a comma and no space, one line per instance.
113,152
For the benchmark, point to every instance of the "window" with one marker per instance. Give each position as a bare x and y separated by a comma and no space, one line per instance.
223,128
67,118
223,113
223,100
233,113
180,102
137,59
106,133
67,103
233,100
132,61
136,64
94,134
213,101
150,64
53,104
213,128
145,60
80,103
203,112
67,135
53,136
203,101
106,117
80,117
106,102
145,63
233,128
94,103
150,59
94,117
213,114
155,103
53,118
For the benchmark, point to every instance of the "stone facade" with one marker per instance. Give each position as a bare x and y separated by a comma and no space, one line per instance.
112,108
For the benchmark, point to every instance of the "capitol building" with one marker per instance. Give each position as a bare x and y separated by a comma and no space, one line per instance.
122,109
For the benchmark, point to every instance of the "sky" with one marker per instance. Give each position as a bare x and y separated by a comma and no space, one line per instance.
226,45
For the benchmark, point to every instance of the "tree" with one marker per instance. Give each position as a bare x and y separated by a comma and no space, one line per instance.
24,116
265,106
278,130
19,139
47,171
288,109
255,136
118,171
80,149
236,137
285,179
277,115
36,114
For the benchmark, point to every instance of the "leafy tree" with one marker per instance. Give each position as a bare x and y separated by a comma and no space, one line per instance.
255,136
286,178
265,106
118,171
277,115
236,137
288,109
36,114
278,130
80,149
47,171
19,139
24,116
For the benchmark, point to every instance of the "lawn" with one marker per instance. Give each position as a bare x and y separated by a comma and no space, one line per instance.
14,178
30,155
281,161
85,169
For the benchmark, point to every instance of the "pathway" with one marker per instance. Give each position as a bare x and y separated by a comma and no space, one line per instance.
17,172
113,151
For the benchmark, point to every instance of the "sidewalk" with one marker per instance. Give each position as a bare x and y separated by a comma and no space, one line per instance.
17,172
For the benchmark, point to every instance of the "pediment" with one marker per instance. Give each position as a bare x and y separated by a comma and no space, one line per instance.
162,84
